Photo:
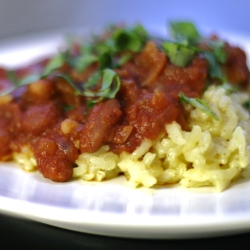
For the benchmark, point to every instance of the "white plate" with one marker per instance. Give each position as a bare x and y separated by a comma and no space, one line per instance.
112,208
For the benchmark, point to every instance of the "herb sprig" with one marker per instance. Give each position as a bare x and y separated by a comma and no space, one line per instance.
185,46
198,103
54,64
108,53
117,48
246,105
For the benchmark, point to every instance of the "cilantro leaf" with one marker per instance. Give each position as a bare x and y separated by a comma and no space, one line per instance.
29,79
11,74
184,32
83,61
214,68
186,45
179,54
68,79
93,80
13,78
68,107
218,48
229,88
246,105
198,103
122,60
54,64
130,39
105,61
7,91
215,57
110,86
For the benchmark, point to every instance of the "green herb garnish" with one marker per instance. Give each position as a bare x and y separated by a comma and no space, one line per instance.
246,105
179,54
54,64
110,86
198,103
184,32
214,68
229,88
130,39
218,48
116,49
186,45
83,61
93,80
11,74
68,79
68,107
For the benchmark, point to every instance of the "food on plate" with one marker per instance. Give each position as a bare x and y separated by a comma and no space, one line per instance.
157,111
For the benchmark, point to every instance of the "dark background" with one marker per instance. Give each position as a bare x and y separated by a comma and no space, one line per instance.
16,233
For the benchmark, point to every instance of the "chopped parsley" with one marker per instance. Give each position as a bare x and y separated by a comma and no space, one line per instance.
246,105
109,53
54,64
130,39
229,88
184,32
180,55
68,107
186,45
198,103
110,86
118,47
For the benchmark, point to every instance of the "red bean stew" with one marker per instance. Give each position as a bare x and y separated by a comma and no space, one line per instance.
122,88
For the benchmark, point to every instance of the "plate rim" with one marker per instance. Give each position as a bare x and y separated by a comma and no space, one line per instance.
140,229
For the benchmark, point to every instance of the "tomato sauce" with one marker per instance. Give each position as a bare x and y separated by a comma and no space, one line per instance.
57,125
